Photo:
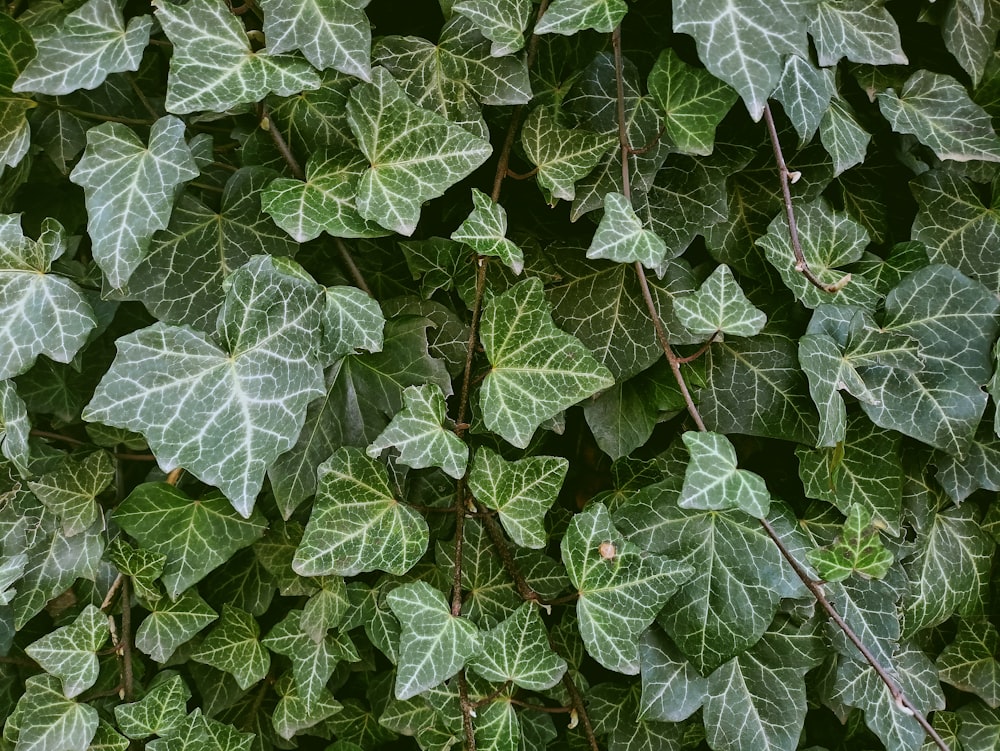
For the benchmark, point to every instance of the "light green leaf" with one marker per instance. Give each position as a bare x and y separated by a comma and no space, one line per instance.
357,524
672,689
294,714
500,21
324,202
858,549
719,305
521,491
233,646
40,312
621,237
621,588
968,662
485,231
88,45
563,155
938,111
130,190
805,92
16,50
418,434
570,16
329,33
195,536
214,67
48,721
415,155
497,727
537,370
517,649
970,35
159,712
14,428
842,136
743,42
692,100
225,410
198,732
172,623
325,609
70,491
69,652
712,481
863,31
352,321
434,644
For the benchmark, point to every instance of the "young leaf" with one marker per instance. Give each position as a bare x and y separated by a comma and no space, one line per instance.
570,16
159,712
233,646
70,491
419,436
172,623
69,652
863,31
329,33
48,721
719,305
500,21
857,550
713,482
538,370
16,51
434,644
517,649
562,155
14,428
621,237
130,190
485,230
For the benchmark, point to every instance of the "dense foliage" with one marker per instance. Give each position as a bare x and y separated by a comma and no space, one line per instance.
501,375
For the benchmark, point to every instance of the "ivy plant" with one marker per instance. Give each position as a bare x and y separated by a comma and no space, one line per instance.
499,374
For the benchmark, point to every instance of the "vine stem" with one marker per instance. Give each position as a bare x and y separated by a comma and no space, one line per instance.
77,442
85,114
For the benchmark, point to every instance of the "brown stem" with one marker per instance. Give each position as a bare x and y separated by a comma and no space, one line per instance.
701,350
280,143
496,537
128,688
141,96
467,709
801,265
522,175
87,115
431,509
656,139
112,591
352,268
77,442
581,710
174,477
540,708
491,696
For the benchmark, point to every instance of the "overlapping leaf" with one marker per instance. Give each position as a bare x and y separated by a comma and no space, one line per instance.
500,21
69,652
14,428
48,721
712,481
16,50
863,31
805,92
857,550
843,137
352,321
159,712
570,16
171,623
621,237
672,689
293,714
70,491
329,33
970,34
233,645
517,650
563,155
719,306
485,231
968,662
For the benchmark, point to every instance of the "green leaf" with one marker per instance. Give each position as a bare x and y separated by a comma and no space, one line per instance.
980,468
500,21
968,662
329,33
70,491
563,155
843,137
357,524
863,31
712,481
672,689
352,321
69,652
485,231
970,35
537,370
621,589
980,728
517,649
88,45
214,67
938,111
107,739
159,712
520,491
199,732
857,550
497,727
325,609
51,722
130,190
805,92
434,644
719,305
233,646
570,16
620,236
415,155
16,51
42,313
14,428
294,714
419,436
692,100
242,401
194,536
171,623
744,42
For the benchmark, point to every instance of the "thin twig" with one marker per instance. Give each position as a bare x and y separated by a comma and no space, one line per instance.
280,143
468,710
112,591
87,115
128,687
649,146
701,350
352,268
496,537
491,696
77,442
522,175
581,710
540,708
141,96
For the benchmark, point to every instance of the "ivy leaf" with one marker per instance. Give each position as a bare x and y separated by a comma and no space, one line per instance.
712,481
562,155
417,432
241,404
693,102
621,589
863,31
16,51
968,662
325,609
159,712
130,190
171,623
521,491
857,550
194,536
42,313
48,721
719,305
89,44
537,370
69,652
501,21
294,714
14,428
570,16
969,34
70,491
352,321
214,67
329,33
233,646
415,155
485,231
200,732
517,649
805,92
357,525
744,42
434,644
842,136
621,237
107,739
938,111
672,689
980,467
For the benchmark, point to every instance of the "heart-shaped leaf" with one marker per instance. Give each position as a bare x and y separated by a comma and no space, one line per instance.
712,481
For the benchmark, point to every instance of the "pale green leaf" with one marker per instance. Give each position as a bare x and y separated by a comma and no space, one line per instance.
805,92
16,50
521,491
500,21
329,33
419,435
194,536
857,550
352,321
570,16
88,45
719,305
672,689
563,155
938,111
51,722
233,646
69,653
621,237
517,650
621,588
357,524
40,312
130,190
214,67
485,231
863,31
433,644
159,712
225,410
71,490
842,136
171,623
971,36
712,481
295,714
968,662
14,428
